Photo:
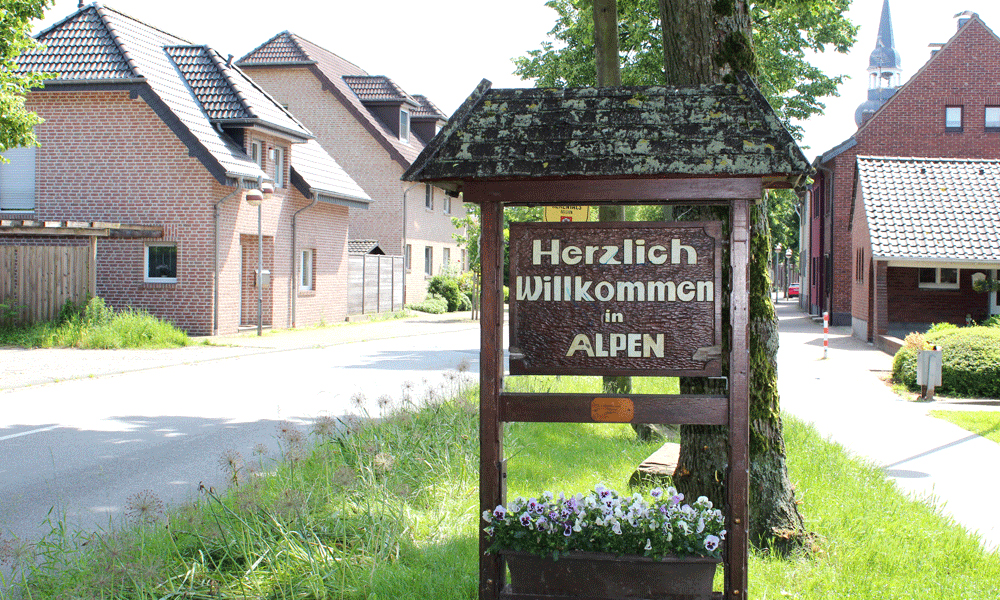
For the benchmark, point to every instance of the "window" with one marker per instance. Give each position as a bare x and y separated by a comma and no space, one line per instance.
428,261
447,204
938,278
17,180
306,270
279,167
445,258
406,256
428,197
953,118
404,125
257,153
161,263
859,265
992,118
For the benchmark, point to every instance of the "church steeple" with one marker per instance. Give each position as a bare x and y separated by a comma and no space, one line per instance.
884,69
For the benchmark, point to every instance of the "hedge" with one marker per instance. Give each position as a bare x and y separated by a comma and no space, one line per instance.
970,362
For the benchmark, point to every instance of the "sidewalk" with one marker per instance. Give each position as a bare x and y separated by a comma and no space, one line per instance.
21,367
848,403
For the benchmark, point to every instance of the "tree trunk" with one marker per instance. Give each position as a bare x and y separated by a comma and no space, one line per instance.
609,75
704,42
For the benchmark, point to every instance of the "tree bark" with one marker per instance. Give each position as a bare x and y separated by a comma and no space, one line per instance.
609,75
706,42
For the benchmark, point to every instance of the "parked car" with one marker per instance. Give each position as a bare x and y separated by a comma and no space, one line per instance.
793,291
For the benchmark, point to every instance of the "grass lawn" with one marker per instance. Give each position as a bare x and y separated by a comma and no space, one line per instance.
982,422
391,511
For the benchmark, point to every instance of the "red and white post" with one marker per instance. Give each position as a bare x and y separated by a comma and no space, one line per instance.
826,332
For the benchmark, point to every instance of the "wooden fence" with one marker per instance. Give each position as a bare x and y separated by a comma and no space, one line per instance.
38,280
375,283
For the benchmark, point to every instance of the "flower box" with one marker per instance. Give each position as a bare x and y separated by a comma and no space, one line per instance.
596,575
603,545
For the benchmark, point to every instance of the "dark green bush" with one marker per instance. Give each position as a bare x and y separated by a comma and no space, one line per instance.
970,362
446,287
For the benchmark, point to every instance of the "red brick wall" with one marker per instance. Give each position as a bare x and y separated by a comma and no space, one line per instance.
369,164
106,157
910,304
912,124
861,284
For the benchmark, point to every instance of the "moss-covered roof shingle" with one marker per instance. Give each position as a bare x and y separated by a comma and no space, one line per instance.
724,130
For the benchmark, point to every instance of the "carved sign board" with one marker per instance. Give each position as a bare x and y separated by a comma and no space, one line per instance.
615,299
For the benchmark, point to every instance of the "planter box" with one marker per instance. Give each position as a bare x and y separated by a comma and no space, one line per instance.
598,576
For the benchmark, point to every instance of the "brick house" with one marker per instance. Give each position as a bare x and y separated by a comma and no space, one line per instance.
142,127
923,230
949,109
375,130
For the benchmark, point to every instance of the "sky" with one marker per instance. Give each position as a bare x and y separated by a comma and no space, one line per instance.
443,48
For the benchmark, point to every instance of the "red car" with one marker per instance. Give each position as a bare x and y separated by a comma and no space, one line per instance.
793,291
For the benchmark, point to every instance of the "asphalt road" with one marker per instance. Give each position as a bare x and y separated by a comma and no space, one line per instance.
82,447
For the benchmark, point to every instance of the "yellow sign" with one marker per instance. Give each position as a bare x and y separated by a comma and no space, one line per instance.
567,214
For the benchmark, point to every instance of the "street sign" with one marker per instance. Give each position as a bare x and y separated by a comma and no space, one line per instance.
567,214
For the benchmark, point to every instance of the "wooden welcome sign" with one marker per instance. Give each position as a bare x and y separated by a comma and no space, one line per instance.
616,299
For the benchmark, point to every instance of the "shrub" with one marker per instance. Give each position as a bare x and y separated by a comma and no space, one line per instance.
446,287
970,361
943,326
433,304
993,321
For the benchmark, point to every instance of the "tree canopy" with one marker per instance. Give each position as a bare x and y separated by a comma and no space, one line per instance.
783,32
16,121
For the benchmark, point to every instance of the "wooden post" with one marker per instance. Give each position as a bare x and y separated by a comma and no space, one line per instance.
491,567
738,478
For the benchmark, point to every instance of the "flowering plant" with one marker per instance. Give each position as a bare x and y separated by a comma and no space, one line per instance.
604,521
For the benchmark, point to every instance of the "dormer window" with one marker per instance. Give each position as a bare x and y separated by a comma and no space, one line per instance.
404,125
257,153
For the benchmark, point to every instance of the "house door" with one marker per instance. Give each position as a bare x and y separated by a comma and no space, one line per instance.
995,296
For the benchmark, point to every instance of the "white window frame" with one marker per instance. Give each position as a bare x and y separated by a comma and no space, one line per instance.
995,125
307,282
429,261
257,153
279,167
938,285
949,118
145,263
17,180
404,125
407,254
428,196
445,258
446,204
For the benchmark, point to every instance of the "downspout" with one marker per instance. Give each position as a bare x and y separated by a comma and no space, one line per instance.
215,254
405,192
295,256
829,202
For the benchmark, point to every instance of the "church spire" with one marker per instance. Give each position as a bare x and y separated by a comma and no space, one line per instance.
884,69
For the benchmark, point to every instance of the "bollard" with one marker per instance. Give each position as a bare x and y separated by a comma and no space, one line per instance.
826,332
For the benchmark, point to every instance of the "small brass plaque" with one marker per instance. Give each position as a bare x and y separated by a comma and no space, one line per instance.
612,410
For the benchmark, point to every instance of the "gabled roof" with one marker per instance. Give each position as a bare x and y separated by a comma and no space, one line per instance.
363,247
190,87
287,49
427,109
378,88
315,173
711,130
931,209
972,23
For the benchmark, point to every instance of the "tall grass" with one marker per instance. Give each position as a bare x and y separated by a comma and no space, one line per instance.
373,509
94,326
